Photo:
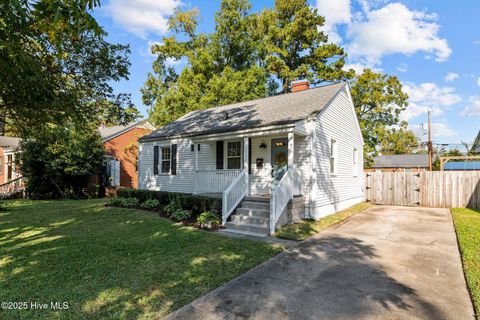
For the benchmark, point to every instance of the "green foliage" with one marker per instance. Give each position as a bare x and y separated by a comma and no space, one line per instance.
60,162
378,100
399,141
150,204
56,66
242,60
208,219
181,215
194,203
124,202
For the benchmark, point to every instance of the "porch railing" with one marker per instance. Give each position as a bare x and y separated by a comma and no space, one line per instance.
12,187
287,187
232,196
215,181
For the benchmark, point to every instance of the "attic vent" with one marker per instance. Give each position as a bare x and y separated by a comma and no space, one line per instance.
226,115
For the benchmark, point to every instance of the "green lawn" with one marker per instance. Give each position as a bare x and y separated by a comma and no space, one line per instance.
467,224
307,228
111,263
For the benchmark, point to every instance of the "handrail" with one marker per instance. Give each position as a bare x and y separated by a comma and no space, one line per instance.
287,187
214,180
233,195
12,186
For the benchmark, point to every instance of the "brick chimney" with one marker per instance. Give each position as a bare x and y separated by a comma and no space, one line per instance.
300,85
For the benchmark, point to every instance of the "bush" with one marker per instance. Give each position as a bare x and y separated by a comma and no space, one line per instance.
208,220
196,204
125,202
181,215
150,204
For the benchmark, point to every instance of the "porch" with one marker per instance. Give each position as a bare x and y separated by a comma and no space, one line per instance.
260,166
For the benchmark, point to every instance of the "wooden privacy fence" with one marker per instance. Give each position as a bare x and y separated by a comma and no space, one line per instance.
447,189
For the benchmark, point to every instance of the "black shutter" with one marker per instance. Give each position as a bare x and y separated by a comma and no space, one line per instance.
219,155
249,155
155,160
173,169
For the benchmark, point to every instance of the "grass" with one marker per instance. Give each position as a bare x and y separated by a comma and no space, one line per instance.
307,228
111,263
467,225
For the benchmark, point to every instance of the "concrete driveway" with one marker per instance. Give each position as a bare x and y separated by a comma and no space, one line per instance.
384,263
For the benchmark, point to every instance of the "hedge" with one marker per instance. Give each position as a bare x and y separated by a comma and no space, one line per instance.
194,203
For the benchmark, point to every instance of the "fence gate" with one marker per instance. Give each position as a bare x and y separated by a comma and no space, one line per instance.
429,189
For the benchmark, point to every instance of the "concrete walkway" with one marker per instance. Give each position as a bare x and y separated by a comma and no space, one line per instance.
384,263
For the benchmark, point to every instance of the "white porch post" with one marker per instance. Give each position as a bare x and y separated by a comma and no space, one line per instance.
245,160
290,149
195,149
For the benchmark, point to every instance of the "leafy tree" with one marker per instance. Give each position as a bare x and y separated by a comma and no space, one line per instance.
245,58
55,65
399,141
295,46
59,162
378,100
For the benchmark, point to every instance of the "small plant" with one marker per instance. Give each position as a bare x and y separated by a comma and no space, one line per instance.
208,220
116,202
150,204
181,215
131,203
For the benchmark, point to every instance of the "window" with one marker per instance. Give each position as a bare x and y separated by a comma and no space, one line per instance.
234,155
333,157
355,162
165,160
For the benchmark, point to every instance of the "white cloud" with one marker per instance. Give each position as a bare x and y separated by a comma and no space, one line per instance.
142,17
478,81
403,67
358,67
428,97
451,76
395,29
335,12
439,130
473,108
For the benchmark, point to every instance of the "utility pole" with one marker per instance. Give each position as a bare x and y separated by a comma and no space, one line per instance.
430,145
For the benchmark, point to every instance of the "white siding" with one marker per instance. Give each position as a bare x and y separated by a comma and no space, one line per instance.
183,181
334,192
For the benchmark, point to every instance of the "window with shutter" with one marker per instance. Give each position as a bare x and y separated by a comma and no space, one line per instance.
155,159
173,170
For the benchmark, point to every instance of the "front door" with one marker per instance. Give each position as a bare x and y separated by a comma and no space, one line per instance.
279,159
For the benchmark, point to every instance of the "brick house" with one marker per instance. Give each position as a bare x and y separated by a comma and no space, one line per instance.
8,170
121,150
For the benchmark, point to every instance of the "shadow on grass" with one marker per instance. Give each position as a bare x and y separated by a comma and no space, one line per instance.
111,263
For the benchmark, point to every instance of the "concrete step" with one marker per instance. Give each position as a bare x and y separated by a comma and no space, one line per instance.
246,227
256,199
253,212
255,205
243,233
244,219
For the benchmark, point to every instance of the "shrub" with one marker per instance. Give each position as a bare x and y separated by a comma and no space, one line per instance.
208,220
181,215
196,204
117,202
150,204
125,202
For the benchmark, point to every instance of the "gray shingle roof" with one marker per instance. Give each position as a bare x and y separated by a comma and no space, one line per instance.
276,110
108,133
401,161
9,142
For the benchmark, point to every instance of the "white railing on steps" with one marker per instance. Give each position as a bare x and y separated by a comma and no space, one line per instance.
286,188
233,195
215,180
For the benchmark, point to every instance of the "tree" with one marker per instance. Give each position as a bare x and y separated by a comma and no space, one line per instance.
59,162
245,58
295,46
378,100
399,141
55,65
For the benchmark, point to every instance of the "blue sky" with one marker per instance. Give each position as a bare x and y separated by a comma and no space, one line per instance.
432,46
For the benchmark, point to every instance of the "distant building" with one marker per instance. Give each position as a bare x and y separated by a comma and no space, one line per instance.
462,166
476,145
8,170
400,163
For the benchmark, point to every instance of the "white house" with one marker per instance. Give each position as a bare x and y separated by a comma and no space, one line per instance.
304,146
